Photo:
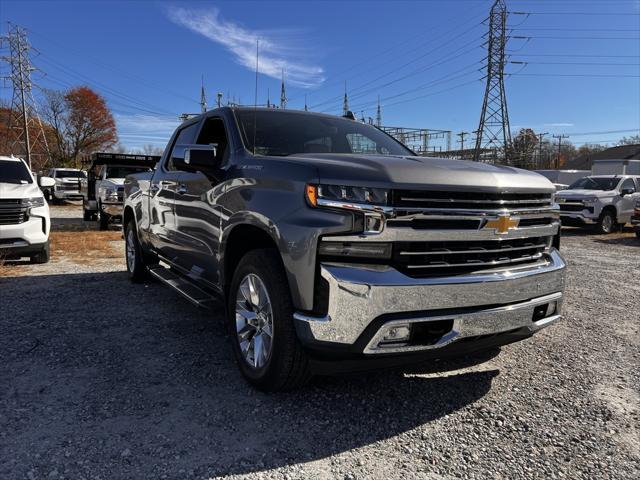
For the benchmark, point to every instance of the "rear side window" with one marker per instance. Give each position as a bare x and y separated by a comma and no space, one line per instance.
186,136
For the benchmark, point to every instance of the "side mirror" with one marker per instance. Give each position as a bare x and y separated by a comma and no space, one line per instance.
627,191
196,158
46,182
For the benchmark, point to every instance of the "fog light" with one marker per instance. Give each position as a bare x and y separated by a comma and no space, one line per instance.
551,308
355,249
397,333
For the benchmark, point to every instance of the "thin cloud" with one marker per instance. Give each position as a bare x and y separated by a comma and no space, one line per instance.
276,52
138,130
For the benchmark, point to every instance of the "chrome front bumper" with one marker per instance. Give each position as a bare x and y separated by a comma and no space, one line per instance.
580,217
478,304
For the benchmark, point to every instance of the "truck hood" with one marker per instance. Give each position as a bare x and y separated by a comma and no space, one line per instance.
118,182
422,173
581,193
14,190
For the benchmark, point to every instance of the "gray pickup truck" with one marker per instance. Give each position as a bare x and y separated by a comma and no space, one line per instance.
337,248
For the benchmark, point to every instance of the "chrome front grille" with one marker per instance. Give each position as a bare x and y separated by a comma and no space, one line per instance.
420,259
12,212
470,200
572,207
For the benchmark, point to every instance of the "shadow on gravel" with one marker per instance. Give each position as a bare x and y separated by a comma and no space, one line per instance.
104,378
617,240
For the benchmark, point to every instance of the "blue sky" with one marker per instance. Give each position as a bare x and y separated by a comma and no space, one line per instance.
423,58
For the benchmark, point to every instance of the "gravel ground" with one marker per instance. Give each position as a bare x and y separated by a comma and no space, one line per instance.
102,379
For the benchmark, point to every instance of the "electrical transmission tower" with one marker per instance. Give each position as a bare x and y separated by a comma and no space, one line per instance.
493,142
26,136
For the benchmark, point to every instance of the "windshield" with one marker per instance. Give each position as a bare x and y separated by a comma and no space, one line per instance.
14,172
122,172
595,183
287,133
70,174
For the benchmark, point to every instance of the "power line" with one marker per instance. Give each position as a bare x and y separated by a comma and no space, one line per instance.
568,55
527,37
575,63
570,75
599,14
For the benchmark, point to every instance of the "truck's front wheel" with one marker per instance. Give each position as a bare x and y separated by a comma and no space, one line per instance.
133,254
607,222
260,322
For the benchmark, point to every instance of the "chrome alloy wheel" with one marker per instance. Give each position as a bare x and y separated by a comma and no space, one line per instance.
607,223
254,321
131,250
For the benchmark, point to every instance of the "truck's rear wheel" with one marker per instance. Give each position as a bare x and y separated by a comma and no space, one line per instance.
607,222
87,215
133,254
260,322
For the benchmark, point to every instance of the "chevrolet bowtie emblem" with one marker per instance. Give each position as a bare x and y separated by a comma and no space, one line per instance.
503,224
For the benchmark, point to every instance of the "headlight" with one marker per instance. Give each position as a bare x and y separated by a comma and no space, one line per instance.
372,203
33,202
341,196
589,200
109,193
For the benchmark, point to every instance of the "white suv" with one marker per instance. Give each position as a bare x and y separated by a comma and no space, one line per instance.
605,201
24,214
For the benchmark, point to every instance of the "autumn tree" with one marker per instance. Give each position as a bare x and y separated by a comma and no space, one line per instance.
524,146
632,140
82,123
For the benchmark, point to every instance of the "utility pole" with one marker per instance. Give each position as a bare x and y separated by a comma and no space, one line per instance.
559,137
345,103
23,117
494,132
219,99
378,114
306,107
462,135
283,95
203,97
540,135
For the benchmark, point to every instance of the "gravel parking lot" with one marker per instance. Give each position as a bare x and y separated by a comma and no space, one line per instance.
103,379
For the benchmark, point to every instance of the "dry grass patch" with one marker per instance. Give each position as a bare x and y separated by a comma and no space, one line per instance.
83,247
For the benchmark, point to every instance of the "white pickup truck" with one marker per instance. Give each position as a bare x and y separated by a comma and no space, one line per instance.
102,190
67,184
603,201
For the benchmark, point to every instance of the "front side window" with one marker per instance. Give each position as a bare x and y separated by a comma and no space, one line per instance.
185,136
283,133
14,172
628,183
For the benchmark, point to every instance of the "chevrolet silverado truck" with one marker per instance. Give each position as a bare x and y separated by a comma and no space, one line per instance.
67,186
336,248
102,190
24,214
601,201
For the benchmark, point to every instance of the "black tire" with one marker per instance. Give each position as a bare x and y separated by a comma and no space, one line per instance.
104,221
137,268
638,233
87,215
42,256
47,195
607,222
287,367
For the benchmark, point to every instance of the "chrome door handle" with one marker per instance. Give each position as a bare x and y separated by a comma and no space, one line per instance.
182,189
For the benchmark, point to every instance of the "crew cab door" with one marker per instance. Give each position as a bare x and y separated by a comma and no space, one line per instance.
198,217
627,202
162,192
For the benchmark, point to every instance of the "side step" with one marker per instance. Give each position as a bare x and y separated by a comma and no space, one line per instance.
191,292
